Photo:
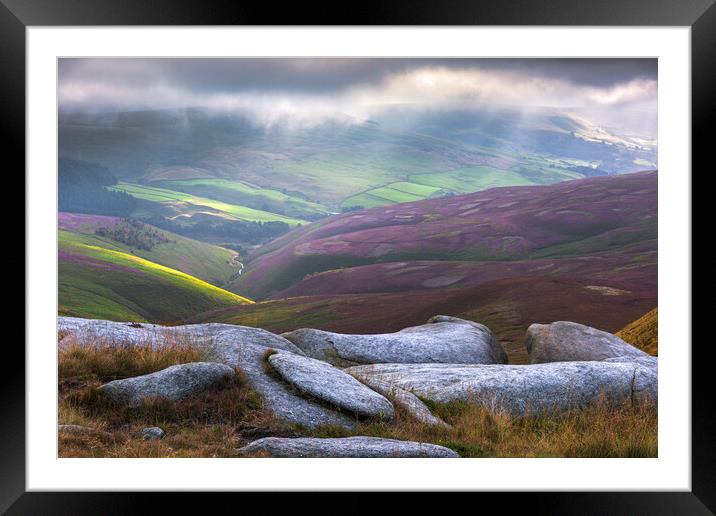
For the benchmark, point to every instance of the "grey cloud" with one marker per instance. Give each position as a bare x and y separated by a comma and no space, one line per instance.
327,75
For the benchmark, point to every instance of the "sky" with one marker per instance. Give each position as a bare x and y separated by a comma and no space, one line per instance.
313,89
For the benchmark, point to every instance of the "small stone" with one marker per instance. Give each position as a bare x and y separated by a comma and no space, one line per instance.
152,433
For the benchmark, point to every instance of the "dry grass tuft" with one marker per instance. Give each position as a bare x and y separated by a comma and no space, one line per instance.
600,430
103,362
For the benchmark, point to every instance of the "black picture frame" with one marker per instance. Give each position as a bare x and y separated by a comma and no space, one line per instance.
17,15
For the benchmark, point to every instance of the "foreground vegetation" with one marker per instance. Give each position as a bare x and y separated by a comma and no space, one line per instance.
216,423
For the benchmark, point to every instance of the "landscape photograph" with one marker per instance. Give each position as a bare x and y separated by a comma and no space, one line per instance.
357,257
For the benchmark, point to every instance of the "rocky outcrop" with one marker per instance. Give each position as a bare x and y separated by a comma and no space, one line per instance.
564,341
277,396
110,333
327,383
522,389
235,346
347,447
453,341
445,360
406,400
173,383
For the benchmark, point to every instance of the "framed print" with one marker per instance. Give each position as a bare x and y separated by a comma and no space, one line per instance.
417,252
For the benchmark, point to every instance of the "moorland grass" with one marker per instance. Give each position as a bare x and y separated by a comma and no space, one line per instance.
600,430
210,424
104,362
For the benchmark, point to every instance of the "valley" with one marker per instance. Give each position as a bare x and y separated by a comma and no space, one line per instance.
339,225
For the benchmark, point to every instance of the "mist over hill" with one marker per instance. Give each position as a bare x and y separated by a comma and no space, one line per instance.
199,170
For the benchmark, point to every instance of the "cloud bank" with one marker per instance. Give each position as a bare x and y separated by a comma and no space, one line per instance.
309,90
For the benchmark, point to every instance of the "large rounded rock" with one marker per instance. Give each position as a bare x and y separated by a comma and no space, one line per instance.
564,341
173,383
90,332
346,447
450,342
323,381
496,351
522,389
277,397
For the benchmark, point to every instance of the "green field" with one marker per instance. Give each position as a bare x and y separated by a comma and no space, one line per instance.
471,179
240,193
210,263
105,283
165,196
423,186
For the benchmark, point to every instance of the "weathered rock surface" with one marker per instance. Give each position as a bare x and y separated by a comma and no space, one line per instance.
564,341
173,383
645,384
449,342
498,352
153,433
277,397
521,389
403,399
325,382
98,331
346,447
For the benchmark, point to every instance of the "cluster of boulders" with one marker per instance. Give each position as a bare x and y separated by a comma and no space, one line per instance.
312,377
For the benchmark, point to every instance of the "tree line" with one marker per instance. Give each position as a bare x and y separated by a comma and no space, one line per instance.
134,234
250,232
82,188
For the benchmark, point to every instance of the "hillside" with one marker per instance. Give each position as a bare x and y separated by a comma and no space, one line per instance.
565,138
643,333
211,263
600,228
102,278
194,165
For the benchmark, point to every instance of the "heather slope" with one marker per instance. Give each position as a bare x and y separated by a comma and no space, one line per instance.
605,226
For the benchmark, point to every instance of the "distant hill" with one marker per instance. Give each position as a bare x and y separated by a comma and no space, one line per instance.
138,274
566,138
193,165
643,333
603,229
